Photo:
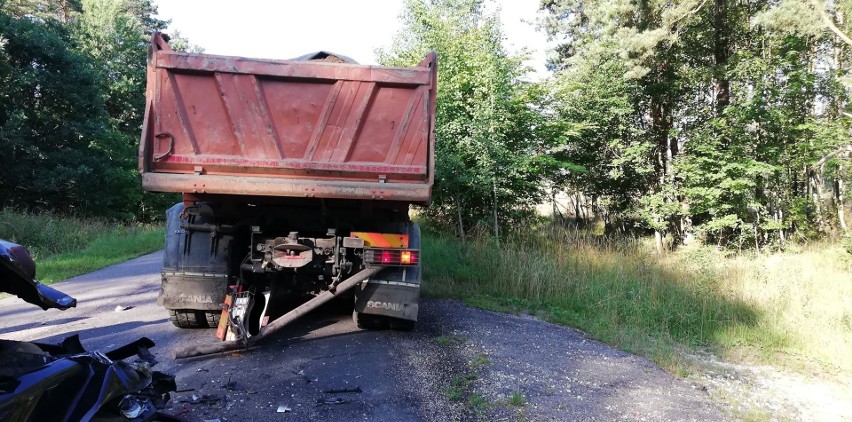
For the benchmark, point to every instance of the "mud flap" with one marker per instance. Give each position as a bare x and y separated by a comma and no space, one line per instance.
190,291
389,298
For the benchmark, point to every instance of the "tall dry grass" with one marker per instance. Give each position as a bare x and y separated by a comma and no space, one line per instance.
793,307
804,299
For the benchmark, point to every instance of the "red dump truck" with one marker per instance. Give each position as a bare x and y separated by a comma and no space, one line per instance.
296,175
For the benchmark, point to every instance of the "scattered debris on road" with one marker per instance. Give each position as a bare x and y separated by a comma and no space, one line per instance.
357,389
332,400
203,399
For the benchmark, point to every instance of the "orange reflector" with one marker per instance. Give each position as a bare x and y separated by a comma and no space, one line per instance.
405,258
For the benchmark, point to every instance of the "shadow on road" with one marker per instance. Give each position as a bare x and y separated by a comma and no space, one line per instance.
91,334
12,329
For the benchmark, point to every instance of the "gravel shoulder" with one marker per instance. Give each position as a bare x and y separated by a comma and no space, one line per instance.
762,392
560,373
458,364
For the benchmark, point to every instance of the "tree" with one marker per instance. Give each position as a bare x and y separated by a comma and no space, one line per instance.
722,110
84,64
60,10
116,34
633,52
58,151
488,161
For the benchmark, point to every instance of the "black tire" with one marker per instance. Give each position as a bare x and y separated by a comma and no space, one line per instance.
369,322
190,318
213,318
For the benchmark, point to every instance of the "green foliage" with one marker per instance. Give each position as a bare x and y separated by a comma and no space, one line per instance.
58,10
112,36
58,152
71,104
490,134
703,117
115,34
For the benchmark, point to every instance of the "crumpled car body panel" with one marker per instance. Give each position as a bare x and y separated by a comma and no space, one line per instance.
17,276
65,382
40,382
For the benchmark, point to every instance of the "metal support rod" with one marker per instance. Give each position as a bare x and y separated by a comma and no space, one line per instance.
278,324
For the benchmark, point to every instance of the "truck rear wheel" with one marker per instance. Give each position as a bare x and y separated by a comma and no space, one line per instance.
191,318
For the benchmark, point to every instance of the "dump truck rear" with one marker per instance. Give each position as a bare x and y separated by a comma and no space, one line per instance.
295,175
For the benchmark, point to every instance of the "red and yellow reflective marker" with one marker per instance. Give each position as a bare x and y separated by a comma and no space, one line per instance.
382,240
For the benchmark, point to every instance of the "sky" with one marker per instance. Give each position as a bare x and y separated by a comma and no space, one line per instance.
286,29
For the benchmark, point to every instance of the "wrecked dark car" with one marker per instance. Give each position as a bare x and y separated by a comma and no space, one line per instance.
17,276
64,382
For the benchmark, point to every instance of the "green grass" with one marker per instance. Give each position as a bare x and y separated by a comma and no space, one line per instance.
480,360
791,308
517,399
443,340
459,386
65,247
477,403
117,246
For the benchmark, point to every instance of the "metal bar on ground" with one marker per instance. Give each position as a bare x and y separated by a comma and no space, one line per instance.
278,324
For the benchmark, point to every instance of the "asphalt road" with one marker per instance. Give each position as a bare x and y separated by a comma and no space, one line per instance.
458,364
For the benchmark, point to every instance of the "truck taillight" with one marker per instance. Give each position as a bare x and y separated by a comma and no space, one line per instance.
392,256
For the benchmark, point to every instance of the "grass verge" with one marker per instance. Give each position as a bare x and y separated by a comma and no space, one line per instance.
791,309
65,247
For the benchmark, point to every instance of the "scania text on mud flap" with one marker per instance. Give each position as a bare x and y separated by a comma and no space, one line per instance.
297,177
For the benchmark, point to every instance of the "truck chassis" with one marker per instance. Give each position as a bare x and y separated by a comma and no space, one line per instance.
264,256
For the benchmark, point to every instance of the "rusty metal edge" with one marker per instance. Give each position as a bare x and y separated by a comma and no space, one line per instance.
267,186
226,164
431,62
194,62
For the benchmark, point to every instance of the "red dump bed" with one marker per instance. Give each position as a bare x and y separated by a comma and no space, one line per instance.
232,125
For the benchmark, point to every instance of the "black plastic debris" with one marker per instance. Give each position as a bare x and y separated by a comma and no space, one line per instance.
63,382
17,276
332,400
203,399
356,389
